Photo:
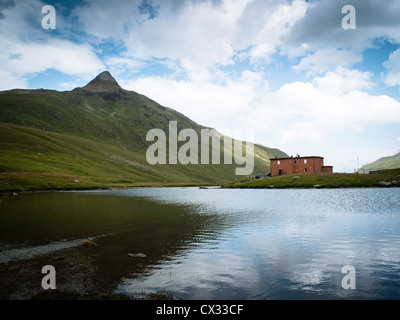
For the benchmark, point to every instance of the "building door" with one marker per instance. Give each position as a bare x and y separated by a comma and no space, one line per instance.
280,172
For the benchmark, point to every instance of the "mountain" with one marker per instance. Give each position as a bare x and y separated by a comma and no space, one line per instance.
95,135
103,82
390,162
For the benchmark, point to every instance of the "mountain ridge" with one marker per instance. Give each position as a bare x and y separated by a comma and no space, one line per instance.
388,162
95,133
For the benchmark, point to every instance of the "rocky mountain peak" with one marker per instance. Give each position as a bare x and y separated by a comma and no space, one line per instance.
103,82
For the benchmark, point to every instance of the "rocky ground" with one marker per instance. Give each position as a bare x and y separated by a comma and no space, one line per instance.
75,278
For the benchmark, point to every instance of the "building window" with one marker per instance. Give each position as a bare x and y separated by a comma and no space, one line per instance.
305,160
295,161
279,162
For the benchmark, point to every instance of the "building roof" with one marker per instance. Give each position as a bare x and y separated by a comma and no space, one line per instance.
294,158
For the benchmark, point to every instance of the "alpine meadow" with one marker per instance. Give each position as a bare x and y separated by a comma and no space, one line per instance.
95,137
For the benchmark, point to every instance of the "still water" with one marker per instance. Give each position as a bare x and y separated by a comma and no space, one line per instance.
220,244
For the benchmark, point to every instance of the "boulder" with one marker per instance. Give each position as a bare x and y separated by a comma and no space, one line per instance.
88,243
385,183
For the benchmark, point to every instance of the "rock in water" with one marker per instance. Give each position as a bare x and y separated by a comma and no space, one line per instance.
88,243
137,255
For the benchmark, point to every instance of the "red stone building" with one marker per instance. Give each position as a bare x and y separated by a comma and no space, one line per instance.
298,165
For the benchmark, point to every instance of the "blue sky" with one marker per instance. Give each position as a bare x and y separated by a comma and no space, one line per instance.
286,69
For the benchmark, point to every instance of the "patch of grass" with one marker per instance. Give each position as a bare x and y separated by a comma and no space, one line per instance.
324,180
33,181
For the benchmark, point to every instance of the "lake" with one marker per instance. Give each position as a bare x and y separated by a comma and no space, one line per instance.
219,243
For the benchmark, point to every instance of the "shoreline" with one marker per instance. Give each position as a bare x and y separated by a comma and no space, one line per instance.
78,278
311,188
16,192
380,179
169,185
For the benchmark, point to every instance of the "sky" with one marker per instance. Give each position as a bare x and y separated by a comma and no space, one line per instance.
294,72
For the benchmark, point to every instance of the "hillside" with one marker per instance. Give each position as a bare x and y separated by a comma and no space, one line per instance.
391,162
94,136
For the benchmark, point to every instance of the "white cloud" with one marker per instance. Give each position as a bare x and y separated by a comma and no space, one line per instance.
19,59
120,64
343,80
60,55
208,103
11,81
264,24
303,109
392,77
325,118
198,34
22,19
69,85
323,60
194,32
106,19
321,26
27,49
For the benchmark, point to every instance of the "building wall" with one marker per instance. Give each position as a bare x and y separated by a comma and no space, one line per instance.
327,169
303,165
286,165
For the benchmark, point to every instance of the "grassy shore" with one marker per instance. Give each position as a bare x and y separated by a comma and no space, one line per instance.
46,181
383,178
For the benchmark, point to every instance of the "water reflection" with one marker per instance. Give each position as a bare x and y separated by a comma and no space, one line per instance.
287,244
225,244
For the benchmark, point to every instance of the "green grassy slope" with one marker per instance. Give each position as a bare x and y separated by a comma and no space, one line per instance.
97,135
383,178
390,162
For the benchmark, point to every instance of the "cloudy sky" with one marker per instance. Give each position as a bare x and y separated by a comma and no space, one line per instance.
286,69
